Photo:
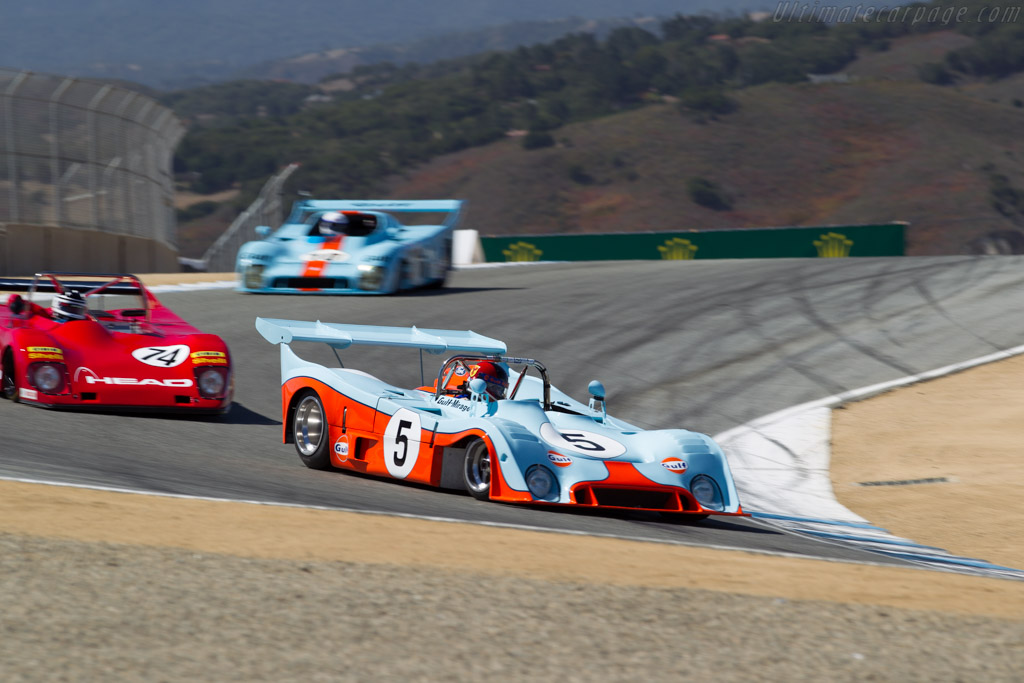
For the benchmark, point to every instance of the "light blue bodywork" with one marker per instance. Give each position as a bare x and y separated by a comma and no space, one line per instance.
522,431
394,257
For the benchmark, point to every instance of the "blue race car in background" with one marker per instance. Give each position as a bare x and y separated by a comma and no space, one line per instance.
350,247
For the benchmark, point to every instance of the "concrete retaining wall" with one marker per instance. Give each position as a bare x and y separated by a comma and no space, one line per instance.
27,249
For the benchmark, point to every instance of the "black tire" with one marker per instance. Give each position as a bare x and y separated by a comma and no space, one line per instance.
476,472
9,388
402,279
310,432
443,280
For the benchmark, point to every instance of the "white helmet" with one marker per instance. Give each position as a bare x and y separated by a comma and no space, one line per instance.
69,306
333,221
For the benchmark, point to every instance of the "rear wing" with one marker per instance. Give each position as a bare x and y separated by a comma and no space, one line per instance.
341,336
301,210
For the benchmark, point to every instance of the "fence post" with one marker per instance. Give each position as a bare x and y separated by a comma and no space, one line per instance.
266,208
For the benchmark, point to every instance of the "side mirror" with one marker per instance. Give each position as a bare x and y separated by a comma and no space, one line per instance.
480,401
597,395
477,389
262,230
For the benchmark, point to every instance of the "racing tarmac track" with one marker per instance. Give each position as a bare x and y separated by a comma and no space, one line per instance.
702,345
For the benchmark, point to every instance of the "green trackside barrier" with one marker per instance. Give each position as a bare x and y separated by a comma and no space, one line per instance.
822,242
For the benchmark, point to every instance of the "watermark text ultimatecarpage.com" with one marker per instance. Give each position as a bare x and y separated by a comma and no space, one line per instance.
790,10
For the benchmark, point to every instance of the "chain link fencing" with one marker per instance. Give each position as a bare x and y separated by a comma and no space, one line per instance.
267,209
83,154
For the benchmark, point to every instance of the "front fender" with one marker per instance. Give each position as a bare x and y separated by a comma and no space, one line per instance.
261,252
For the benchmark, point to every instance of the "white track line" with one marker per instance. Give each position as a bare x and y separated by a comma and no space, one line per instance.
431,518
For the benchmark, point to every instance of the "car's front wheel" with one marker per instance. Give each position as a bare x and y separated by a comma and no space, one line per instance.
310,432
9,387
477,470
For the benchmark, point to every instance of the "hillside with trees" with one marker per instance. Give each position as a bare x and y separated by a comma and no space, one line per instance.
700,122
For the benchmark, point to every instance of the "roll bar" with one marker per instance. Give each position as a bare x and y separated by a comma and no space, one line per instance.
450,365
60,282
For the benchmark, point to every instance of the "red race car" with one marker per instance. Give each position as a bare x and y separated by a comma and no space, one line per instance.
106,342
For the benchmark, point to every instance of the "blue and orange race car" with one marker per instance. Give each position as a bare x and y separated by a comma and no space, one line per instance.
483,427
350,247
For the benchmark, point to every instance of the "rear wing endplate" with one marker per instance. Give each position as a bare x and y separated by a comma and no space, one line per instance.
341,336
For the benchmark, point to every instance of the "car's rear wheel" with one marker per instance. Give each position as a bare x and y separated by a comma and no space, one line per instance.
446,261
9,387
404,276
310,432
477,470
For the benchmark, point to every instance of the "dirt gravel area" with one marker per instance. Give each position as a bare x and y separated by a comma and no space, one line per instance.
91,611
944,460
111,586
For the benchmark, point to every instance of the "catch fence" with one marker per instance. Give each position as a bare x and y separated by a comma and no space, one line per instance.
267,209
86,155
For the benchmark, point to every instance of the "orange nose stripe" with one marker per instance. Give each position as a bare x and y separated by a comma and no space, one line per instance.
315,268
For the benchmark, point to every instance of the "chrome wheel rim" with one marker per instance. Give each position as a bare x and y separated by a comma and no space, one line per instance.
478,467
309,425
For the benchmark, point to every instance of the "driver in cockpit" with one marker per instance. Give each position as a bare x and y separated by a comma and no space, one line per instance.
68,305
332,224
494,375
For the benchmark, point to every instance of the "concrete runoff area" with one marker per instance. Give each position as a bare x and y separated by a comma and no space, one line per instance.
140,586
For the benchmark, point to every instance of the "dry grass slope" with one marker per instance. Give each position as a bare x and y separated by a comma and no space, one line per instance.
862,152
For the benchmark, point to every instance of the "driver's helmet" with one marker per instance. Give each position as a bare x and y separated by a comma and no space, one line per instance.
68,306
494,375
333,223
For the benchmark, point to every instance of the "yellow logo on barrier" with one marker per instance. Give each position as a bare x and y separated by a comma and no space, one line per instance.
833,245
522,251
678,249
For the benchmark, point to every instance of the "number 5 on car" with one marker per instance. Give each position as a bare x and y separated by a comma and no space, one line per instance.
488,426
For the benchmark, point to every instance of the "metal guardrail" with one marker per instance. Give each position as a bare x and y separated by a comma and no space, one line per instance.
267,209
82,154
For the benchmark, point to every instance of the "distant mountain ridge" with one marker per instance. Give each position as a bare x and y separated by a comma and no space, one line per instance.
313,67
190,42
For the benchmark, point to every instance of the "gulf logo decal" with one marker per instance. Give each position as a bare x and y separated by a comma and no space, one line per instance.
674,465
341,448
559,460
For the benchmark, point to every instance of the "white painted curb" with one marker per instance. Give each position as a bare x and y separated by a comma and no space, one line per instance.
781,461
